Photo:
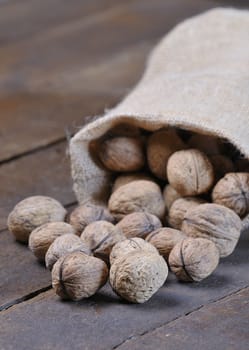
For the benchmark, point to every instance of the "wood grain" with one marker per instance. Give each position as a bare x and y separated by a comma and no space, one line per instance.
34,16
46,172
222,325
37,118
45,79
104,321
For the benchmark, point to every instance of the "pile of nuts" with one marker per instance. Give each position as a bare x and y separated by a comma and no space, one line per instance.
177,202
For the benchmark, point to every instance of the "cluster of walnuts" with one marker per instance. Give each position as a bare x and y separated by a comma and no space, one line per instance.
177,201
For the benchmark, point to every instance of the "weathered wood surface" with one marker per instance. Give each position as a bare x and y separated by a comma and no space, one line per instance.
48,80
60,64
222,325
45,172
105,322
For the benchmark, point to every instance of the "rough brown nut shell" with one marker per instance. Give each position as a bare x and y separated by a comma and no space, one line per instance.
33,212
127,178
139,224
170,195
137,196
76,276
42,237
193,259
161,145
221,165
216,223
179,208
100,237
64,245
210,145
138,275
122,154
164,239
87,213
232,191
130,245
190,172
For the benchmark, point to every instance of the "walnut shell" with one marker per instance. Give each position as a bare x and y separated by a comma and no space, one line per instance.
210,145
164,239
33,212
216,223
190,172
179,208
64,245
161,144
130,245
137,196
221,165
139,224
232,191
193,259
100,237
170,195
77,276
127,178
87,213
138,275
122,153
42,237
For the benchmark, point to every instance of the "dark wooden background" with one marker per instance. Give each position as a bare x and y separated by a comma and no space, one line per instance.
62,62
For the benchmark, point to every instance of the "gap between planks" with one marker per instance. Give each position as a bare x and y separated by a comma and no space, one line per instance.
215,301
24,298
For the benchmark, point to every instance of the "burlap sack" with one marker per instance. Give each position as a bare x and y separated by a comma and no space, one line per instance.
197,78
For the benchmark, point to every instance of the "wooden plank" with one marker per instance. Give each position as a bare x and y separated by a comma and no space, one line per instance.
46,172
20,274
34,119
34,16
222,325
39,84
95,38
104,321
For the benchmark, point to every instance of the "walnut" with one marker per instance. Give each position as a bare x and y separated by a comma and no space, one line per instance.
164,239
130,245
64,245
33,212
221,165
100,237
190,172
139,224
138,275
87,213
193,259
140,195
179,208
210,145
42,237
127,178
77,276
122,153
170,195
161,145
216,223
232,191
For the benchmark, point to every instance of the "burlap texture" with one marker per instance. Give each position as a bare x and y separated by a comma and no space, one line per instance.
197,78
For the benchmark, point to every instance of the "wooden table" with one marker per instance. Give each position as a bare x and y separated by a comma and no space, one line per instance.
62,62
